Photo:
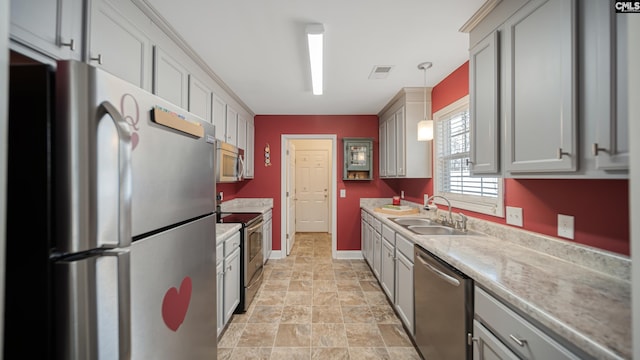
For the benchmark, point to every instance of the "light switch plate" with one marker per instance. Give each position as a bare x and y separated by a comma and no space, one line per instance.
514,216
343,193
565,226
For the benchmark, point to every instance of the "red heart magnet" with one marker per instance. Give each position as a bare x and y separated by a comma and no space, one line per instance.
176,303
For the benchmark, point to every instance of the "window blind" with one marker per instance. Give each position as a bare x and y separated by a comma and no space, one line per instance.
452,153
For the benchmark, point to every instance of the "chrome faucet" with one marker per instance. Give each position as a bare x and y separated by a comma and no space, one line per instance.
434,207
461,223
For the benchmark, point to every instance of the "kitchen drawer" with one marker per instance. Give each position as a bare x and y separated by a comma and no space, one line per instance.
405,246
521,336
377,225
232,243
368,218
219,253
389,235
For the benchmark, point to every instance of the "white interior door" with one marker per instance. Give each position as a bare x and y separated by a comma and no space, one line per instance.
312,184
291,194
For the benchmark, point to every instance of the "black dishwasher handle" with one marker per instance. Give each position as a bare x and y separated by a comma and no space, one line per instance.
449,279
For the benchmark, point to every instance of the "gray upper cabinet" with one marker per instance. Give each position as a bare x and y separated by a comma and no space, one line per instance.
242,132
51,27
401,154
170,78
199,98
529,117
605,75
249,153
540,97
382,148
484,85
231,120
117,45
219,112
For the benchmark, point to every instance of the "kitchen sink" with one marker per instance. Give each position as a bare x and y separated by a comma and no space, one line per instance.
439,230
412,221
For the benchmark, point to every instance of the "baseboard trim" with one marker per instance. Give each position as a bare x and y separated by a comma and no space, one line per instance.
276,254
349,254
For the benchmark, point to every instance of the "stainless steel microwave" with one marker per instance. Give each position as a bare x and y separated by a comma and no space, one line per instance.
230,161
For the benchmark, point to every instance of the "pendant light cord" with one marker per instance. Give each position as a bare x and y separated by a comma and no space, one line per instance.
425,94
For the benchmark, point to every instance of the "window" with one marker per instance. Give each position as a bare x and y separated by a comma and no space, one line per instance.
453,178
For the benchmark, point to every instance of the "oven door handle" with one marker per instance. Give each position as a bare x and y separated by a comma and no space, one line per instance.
256,278
255,227
450,279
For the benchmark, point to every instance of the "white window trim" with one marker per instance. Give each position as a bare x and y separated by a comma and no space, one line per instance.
493,207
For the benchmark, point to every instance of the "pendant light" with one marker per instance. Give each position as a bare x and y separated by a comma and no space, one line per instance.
425,126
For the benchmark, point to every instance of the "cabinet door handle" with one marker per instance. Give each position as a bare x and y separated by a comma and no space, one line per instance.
518,341
98,59
595,149
562,153
71,44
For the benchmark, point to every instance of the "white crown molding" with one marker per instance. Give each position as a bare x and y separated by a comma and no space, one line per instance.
479,15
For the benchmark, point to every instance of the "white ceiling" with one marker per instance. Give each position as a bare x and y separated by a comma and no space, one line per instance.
258,48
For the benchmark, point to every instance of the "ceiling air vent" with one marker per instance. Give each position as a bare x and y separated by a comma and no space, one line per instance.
380,72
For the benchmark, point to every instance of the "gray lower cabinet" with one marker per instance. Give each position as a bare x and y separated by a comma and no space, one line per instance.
228,278
220,297
231,284
522,339
487,346
404,282
267,234
387,263
376,245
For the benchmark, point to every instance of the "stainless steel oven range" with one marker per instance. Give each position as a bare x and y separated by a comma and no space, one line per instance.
251,254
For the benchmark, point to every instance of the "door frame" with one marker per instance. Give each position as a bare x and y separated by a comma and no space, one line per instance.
333,183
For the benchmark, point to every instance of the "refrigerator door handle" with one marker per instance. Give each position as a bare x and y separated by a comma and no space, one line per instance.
124,171
124,303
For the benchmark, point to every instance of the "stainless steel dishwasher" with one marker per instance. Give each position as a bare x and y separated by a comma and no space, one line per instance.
443,308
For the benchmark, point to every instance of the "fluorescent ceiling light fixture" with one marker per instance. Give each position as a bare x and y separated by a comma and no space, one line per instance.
315,34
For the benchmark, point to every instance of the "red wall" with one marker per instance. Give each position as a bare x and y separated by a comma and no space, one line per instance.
600,221
266,183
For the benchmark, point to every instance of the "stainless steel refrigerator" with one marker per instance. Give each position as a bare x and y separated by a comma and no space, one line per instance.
111,221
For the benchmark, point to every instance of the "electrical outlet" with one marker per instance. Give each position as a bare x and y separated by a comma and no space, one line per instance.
514,216
565,226
401,194
343,193
426,198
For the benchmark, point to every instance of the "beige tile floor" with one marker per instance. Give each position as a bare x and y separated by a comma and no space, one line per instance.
313,307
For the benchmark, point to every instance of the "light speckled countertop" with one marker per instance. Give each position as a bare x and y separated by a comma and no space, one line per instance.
247,205
223,231
589,309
